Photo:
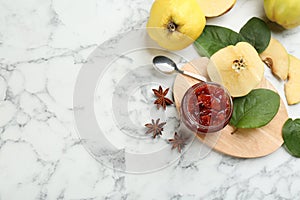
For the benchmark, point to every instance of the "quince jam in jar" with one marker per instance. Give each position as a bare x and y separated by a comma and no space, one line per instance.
206,107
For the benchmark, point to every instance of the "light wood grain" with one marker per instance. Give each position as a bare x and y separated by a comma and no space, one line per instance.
243,143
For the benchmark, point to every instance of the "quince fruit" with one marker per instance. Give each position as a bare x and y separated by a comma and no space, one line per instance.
284,12
292,86
215,8
175,24
238,68
276,58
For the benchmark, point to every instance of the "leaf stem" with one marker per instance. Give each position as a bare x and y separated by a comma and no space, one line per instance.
234,130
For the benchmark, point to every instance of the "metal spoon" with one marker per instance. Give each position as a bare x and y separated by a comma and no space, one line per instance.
165,65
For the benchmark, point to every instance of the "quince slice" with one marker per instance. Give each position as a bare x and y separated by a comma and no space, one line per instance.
238,68
276,58
292,86
215,8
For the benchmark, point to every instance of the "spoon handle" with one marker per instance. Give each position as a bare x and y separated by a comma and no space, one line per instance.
195,76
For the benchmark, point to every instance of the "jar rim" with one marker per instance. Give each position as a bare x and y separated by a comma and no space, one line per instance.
190,93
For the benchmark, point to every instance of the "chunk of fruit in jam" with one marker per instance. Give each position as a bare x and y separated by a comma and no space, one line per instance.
204,99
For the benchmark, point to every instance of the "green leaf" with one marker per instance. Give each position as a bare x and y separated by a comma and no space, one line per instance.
291,136
256,109
257,33
214,38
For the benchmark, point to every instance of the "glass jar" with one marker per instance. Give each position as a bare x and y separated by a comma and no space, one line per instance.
206,107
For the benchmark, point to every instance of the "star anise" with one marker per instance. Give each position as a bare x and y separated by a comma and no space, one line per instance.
162,100
155,127
178,142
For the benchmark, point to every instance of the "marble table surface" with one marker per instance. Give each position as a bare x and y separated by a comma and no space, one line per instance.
43,46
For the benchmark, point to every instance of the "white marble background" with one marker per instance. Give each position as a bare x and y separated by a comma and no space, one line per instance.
43,44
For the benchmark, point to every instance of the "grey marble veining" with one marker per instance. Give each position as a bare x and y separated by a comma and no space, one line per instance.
43,45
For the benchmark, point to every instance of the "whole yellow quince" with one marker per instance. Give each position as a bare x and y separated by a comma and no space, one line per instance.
175,24
284,12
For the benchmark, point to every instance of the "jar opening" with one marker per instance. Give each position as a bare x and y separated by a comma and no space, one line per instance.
206,107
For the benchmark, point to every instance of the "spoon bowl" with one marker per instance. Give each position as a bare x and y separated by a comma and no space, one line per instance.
163,65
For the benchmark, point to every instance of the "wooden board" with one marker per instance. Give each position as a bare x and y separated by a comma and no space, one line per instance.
244,143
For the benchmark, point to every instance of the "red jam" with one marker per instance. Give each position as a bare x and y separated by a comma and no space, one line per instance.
206,107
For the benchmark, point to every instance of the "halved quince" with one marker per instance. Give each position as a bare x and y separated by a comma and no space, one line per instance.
276,57
239,68
292,86
214,8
